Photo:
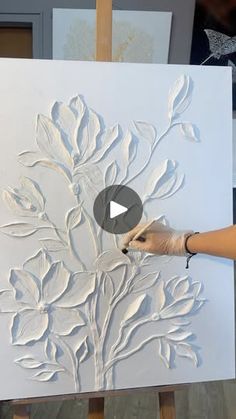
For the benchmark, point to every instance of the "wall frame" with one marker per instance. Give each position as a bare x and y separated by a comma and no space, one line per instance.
36,20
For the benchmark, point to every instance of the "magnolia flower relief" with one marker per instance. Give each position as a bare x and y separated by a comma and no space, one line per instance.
61,309
46,299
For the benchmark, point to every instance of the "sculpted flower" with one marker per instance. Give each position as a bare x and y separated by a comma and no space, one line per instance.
28,201
71,142
179,297
47,295
164,181
176,300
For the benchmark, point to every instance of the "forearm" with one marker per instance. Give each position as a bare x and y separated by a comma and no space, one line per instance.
217,243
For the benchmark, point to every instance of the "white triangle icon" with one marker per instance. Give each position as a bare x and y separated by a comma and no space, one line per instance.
116,209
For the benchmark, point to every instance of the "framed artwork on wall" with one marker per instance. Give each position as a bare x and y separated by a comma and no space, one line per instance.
76,314
74,35
214,37
34,20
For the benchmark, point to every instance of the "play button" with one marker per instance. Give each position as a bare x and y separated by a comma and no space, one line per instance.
118,209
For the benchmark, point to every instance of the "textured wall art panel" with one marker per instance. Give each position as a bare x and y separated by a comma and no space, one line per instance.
76,315
74,35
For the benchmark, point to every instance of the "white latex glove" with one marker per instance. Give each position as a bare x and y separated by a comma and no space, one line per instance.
158,239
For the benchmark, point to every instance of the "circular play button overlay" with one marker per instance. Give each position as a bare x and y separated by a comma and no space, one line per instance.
117,209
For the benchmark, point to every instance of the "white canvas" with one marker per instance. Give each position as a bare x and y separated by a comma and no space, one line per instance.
74,35
76,314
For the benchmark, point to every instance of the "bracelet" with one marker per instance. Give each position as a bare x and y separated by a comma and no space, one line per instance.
190,254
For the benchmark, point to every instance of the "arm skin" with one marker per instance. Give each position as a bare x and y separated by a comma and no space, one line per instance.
220,243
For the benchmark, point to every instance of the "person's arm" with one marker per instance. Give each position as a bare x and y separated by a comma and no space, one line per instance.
163,240
217,243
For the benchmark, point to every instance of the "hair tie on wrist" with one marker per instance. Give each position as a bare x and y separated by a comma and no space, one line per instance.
190,254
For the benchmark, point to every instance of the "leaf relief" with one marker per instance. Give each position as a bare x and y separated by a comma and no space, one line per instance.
82,350
46,374
111,174
179,97
135,309
28,362
185,350
50,350
145,282
52,245
146,131
74,217
18,229
164,181
165,352
110,260
189,131
31,159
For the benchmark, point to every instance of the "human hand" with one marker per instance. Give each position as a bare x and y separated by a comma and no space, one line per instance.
158,239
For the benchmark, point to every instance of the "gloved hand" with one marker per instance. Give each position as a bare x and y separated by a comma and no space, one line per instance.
158,239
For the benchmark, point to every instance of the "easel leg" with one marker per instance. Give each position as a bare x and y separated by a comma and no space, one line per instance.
104,30
167,405
22,411
96,408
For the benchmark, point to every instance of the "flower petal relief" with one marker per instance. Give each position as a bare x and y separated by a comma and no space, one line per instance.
71,142
26,201
64,302
180,298
47,296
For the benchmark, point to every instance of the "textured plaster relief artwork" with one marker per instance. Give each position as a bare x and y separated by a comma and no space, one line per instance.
74,35
77,313
49,301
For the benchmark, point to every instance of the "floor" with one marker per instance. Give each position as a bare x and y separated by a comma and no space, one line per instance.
216,400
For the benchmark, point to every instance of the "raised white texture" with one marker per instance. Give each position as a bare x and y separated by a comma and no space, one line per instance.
51,300
78,311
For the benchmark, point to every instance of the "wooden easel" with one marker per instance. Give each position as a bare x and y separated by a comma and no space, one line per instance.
166,404
96,404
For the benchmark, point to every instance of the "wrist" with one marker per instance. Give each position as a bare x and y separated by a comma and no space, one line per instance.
192,243
176,244
189,252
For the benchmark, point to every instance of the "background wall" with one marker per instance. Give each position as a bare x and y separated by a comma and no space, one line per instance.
198,401
183,13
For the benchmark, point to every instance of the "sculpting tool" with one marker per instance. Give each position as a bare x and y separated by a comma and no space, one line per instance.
138,236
